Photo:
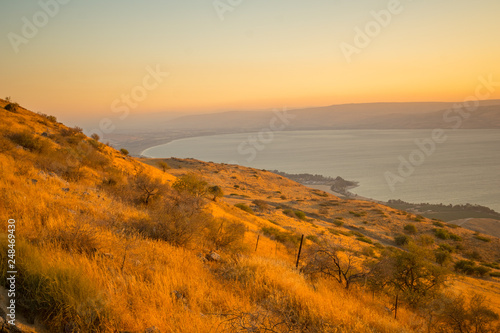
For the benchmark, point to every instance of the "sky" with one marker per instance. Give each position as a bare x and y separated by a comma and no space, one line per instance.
85,58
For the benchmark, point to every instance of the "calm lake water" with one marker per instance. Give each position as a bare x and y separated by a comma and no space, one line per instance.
463,167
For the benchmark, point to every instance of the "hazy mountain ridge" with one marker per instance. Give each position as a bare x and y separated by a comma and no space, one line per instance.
347,116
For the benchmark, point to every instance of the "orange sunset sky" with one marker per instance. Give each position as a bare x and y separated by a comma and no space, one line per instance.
78,57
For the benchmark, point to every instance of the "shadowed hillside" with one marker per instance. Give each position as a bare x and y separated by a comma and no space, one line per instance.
109,243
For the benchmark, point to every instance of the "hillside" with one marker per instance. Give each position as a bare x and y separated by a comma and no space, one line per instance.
110,243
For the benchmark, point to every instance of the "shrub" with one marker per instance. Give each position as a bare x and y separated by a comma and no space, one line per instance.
52,119
95,137
364,239
442,257
124,151
402,240
465,266
441,234
29,141
338,223
438,224
261,205
226,234
179,221
244,207
301,215
12,107
483,238
285,237
446,247
313,238
410,228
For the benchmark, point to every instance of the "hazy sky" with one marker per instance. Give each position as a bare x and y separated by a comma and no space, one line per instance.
83,56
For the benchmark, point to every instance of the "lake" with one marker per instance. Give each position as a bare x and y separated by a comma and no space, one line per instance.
456,166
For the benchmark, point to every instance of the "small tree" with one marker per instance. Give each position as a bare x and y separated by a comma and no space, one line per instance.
466,314
414,277
95,137
149,188
163,165
334,262
192,184
215,192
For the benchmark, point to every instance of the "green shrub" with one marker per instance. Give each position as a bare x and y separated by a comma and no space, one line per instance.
447,248
441,234
313,238
410,228
244,207
29,141
364,239
402,240
438,224
124,151
285,237
301,215
338,223
467,267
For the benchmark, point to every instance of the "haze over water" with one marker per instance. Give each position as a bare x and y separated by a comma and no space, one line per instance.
464,169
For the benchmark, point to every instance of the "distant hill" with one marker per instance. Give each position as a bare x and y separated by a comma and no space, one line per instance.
347,116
